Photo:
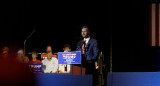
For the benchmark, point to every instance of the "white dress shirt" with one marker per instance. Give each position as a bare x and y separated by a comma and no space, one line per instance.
87,39
50,65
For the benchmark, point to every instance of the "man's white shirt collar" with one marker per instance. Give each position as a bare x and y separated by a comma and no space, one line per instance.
87,39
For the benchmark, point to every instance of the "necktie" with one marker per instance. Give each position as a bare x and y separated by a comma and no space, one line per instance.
83,48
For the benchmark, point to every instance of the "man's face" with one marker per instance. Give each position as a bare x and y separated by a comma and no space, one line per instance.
85,32
20,55
67,49
49,49
49,55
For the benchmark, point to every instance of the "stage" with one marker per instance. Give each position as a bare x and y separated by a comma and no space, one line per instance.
133,79
43,79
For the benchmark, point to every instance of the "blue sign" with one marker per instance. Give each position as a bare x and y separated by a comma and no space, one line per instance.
36,67
69,57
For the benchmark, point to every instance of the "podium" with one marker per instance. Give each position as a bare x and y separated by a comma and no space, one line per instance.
73,58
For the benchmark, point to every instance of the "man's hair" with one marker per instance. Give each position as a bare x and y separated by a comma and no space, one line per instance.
49,46
20,51
67,45
86,27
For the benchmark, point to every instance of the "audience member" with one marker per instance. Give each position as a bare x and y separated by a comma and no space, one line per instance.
34,58
49,49
5,52
50,65
63,68
20,56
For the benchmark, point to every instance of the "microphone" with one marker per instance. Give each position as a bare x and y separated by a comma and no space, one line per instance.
82,42
79,45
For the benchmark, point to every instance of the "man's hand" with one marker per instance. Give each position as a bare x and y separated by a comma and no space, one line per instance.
97,67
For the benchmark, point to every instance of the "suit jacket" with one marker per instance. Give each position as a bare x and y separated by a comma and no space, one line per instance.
91,49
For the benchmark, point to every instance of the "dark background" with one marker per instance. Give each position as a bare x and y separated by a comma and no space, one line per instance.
130,24
58,23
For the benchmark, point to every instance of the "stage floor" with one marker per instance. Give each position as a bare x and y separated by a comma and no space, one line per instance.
133,79
63,80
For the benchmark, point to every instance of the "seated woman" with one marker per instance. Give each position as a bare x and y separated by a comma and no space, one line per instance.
34,58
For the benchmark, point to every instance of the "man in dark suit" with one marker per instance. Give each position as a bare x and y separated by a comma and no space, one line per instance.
89,49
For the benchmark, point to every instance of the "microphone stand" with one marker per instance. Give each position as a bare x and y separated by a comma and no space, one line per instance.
80,46
26,40
81,55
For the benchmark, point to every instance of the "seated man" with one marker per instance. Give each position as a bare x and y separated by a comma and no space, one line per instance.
63,68
50,65
34,58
